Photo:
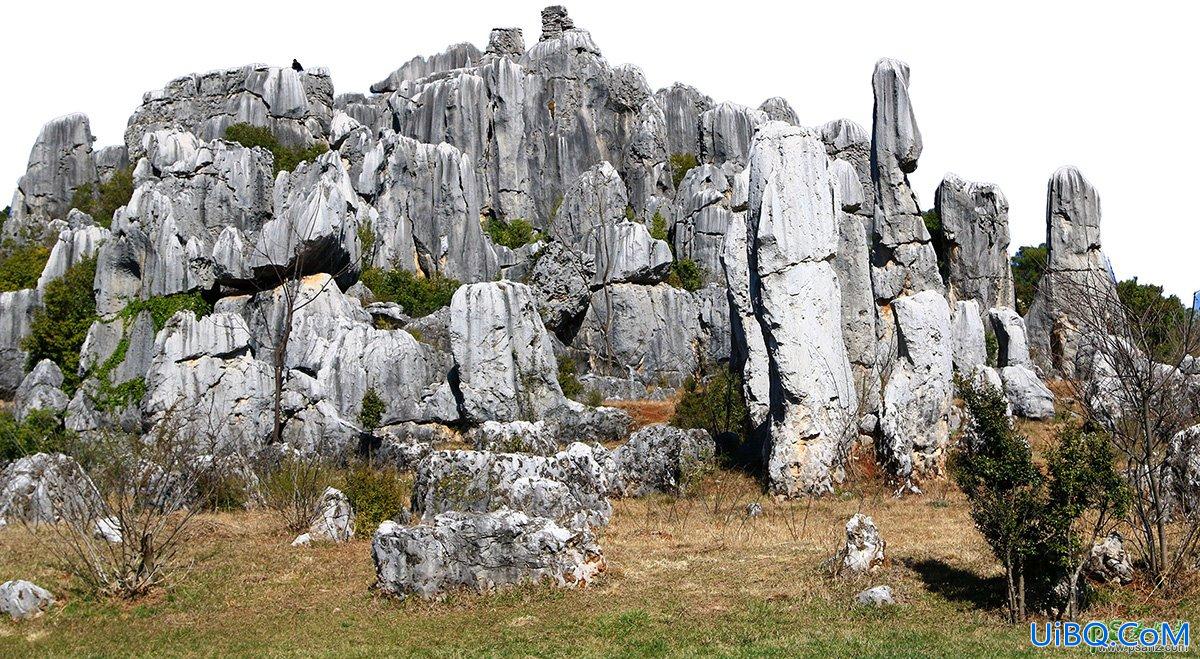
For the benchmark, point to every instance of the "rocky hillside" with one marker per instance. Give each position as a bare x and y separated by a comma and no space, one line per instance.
488,228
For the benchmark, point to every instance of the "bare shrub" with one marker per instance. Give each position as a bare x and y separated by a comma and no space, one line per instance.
291,488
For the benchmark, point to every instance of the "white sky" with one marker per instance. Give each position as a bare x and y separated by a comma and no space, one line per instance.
1003,91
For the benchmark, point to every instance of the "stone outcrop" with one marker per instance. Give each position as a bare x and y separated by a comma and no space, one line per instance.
1027,394
570,486
1108,561
40,390
748,352
968,342
481,552
16,319
506,370
561,281
682,106
458,56
662,458
797,303
974,220
918,395
60,162
875,596
45,488
295,105
22,600
904,262
78,242
334,520
1076,270
702,217
864,548
514,437
1012,346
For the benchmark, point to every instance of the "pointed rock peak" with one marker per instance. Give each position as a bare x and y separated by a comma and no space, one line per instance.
778,109
897,137
555,21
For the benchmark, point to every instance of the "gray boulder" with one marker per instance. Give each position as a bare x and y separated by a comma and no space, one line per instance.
1108,561
797,303
561,281
334,519
702,217
662,458
45,488
80,241
40,390
1183,461
875,596
864,550
570,486
1012,348
1027,394
503,356
975,226
481,552
16,318
967,336
22,600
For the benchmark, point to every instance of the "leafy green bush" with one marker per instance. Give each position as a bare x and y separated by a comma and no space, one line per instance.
375,495
681,163
366,240
420,296
287,158
22,266
372,411
1028,266
567,380
512,234
162,307
686,274
103,201
993,348
41,431
61,325
1032,520
715,403
658,226
594,398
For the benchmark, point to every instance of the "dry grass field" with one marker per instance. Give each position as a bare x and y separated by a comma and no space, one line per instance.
685,577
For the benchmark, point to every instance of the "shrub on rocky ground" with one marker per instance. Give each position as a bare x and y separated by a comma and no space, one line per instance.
287,158
61,325
20,267
375,495
102,201
420,296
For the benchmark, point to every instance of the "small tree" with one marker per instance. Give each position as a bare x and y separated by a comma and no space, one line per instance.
995,470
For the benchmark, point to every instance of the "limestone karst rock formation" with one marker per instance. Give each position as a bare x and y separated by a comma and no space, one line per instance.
974,220
797,303
1077,280
60,162
815,279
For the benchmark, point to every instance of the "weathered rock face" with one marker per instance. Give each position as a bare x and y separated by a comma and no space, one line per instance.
45,488
80,241
458,56
778,109
797,303
482,551
561,281
295,105
187,225
16,318
969,346
1012,348
428,204
1027,394
725,134
918,395
748,352
682,105
570,486
641,332
22,600
1183,460
315,224
662,458
904,261
40,390
1076,270
502,353
864,548
203,370
60,162
1108,561
975,225
702,217
514,437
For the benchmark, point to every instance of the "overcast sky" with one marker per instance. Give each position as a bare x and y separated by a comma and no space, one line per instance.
1003,91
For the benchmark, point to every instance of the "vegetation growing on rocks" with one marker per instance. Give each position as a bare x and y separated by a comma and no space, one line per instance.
1028,265
287,158
102,201
20,267
40,431
60,327
513,234
420,296
681,164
